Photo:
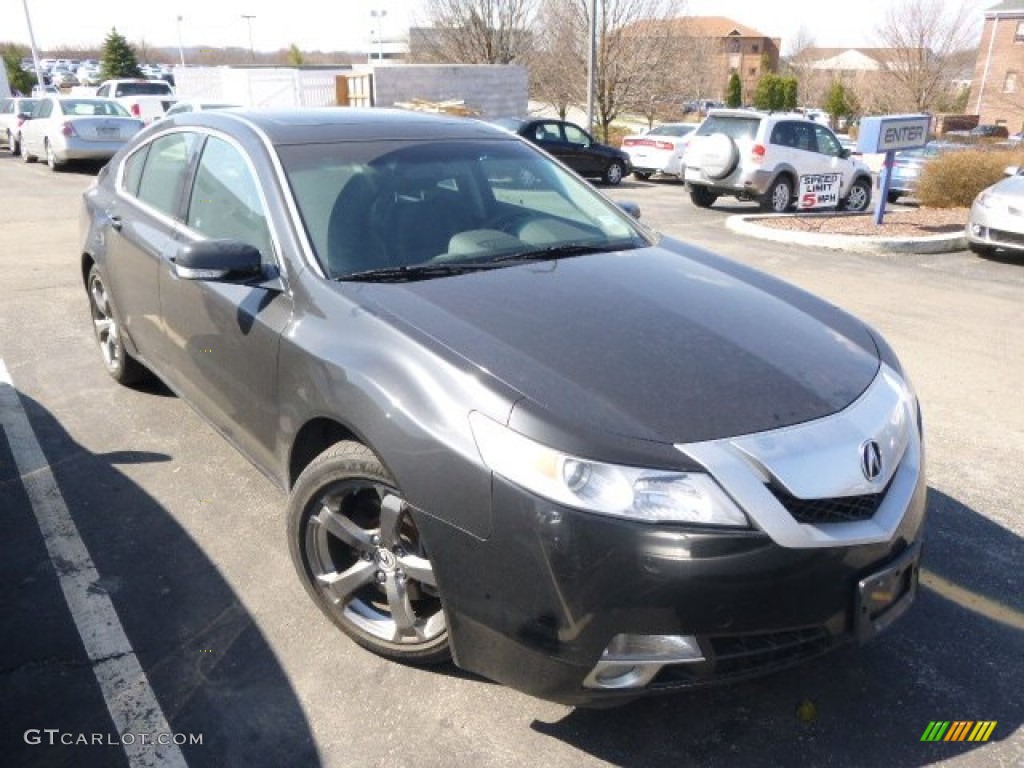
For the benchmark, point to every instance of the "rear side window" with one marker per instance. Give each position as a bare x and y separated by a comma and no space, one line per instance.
734,127
132,173
163,176
225,200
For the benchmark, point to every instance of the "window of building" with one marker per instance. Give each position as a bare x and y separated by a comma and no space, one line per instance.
1018,36
1010,82
753,71
755,48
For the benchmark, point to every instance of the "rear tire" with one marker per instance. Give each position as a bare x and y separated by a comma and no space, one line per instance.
701,196
893,197
719,156
51,159
122,367
779,196
13,144
613,173
26,156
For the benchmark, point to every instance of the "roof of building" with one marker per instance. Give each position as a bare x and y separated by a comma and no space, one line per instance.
701,26
1007,6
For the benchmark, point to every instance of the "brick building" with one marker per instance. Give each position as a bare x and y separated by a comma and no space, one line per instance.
997,94
709,49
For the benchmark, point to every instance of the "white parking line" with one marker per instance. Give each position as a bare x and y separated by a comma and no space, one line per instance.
130,700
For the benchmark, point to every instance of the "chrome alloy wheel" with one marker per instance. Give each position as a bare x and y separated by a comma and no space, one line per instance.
365,556
108,334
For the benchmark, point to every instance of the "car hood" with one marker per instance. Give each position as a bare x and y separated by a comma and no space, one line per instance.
664,343
1012,186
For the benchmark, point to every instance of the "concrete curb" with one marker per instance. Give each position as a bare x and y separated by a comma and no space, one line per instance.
747,225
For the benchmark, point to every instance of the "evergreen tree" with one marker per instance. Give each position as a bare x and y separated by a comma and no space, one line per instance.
119,57
295,56
20,80
790,88
838,103
734,92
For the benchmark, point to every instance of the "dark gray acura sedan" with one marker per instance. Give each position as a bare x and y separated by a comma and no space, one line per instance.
518,429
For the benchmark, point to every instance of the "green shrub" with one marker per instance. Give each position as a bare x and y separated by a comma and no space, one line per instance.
953,179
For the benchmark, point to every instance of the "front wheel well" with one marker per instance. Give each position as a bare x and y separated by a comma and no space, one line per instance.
87,262
314,438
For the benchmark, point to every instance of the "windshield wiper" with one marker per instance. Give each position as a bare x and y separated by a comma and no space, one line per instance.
411,273
562,251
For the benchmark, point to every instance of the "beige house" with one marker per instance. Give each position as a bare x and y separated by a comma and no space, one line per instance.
997,96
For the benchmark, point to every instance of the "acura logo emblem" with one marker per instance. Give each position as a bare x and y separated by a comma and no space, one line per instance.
871,460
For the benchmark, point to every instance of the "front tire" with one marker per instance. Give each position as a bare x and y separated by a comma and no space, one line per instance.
779,196
26,156
641,175
613,173
13,144
859,198
122,367
358,552
981,250
701,196
893,197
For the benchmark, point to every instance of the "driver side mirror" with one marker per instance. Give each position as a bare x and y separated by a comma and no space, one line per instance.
845,153
629,207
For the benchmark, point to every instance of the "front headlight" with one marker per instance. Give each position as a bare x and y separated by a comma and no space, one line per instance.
648,495
986,199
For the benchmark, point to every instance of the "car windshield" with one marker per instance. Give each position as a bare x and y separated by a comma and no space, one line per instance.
385,206
671,130
733,126
93,107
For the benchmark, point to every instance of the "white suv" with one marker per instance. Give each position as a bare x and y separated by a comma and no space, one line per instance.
761,156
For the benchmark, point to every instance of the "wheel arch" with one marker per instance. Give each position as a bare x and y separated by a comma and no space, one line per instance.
313,438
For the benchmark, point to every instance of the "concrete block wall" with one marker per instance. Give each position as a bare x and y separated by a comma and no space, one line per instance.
494,90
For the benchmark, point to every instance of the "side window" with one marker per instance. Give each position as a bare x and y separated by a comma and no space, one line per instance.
8,106
575,136
164,174
132,170
225,200
827,143
782,135
803,137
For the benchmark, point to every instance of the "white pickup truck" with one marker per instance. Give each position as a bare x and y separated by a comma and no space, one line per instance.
144,99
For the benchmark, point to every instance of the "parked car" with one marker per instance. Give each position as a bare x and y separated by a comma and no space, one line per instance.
996,220
63,78
144,99
515,426
63,129
909,164
13,113
761,156
574,147
195,105
39,91
659,150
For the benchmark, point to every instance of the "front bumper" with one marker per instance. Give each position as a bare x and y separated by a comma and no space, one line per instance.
536,604
996,226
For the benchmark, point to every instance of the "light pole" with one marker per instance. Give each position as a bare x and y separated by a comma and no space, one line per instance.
249,17
35,51
379,16
591,65
181,50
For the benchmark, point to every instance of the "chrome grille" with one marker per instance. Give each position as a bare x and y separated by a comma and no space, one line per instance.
838,509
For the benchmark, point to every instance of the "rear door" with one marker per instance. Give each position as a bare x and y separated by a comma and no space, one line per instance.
140,237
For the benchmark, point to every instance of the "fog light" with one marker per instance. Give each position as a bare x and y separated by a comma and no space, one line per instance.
977,229
632,661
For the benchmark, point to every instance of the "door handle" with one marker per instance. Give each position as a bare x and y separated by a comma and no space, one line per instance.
115,221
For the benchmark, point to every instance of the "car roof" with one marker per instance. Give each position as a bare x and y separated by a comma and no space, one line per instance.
312,125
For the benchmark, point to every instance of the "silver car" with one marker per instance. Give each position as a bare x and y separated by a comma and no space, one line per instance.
63,129
997,215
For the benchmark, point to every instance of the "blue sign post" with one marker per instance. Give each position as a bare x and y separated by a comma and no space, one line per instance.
888,134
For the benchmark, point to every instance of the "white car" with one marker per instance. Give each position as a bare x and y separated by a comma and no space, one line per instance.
62,129
195,105
996,220
13,112
659,150
762,156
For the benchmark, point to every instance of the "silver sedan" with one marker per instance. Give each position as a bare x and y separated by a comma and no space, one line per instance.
63,129
997,215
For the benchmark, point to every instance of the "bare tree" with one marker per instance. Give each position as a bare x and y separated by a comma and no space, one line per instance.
558,69
476,31
924,38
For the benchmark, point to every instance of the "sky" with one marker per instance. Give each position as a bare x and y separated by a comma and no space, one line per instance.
348,25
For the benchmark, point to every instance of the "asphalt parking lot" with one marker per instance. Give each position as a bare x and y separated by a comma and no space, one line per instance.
187,542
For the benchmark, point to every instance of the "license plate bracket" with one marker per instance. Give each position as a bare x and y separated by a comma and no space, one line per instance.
886,595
